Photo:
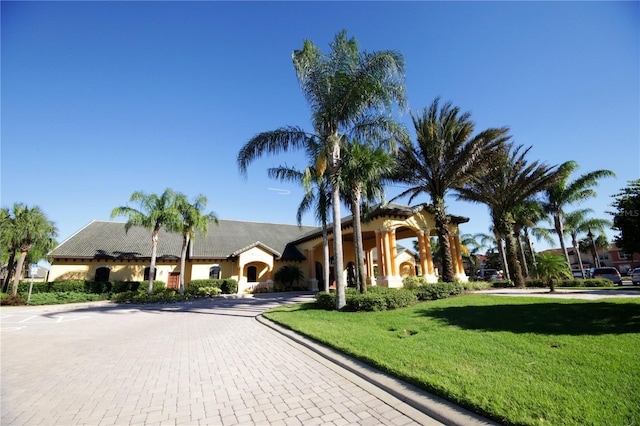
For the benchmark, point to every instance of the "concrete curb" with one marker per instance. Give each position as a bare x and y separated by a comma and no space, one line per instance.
435,407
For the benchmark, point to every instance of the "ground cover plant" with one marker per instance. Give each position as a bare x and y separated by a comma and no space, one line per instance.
522,360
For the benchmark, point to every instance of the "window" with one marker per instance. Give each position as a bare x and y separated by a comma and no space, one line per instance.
252,274
146,273
214,272
603,256
624,256
102,274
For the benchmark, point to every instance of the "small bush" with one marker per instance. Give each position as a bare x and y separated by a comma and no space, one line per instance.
326,301
502,284
208,291
369,301
413,281
61,297
227,286
9,300
400,298
577,282
476,285
435,291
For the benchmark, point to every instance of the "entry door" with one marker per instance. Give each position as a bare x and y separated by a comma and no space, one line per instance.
174,280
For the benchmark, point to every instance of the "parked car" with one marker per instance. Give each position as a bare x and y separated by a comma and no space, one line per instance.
488,275
635,276
608,273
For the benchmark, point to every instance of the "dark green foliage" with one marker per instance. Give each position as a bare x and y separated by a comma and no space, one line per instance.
578,282
61,297
227,286
365,302
374,299
289,277
93,287
435,291
400,298
626,218
165,295
326,300
502,284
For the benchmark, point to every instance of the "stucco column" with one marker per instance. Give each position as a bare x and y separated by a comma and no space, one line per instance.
427,246
424,268
393,252
387,253
456,238
381,272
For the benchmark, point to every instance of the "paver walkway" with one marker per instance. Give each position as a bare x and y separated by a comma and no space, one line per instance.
200,363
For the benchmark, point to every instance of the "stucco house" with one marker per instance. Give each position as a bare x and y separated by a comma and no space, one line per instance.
251,252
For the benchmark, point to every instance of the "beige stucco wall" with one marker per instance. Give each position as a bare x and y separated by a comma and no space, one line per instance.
120,270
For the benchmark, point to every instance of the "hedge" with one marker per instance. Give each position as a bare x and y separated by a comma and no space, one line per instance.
94,287
227,285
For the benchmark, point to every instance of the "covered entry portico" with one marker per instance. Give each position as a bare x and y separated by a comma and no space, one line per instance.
387,225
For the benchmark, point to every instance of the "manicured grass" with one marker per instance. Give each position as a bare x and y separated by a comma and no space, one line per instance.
521,360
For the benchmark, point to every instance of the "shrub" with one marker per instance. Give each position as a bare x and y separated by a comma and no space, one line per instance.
413,281
60,297
227,286
400,298
578,282
9,300
208,291
440,290
326,300
502,284
365,302
476,285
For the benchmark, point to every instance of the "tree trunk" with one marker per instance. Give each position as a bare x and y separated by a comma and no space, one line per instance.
443,240
325,257
531,252
10,268
16,278
576,250
357,240
557,221
183,257
503,256
523,258
152,266
512,259
334,162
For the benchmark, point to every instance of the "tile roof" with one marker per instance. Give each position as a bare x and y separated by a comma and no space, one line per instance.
105,239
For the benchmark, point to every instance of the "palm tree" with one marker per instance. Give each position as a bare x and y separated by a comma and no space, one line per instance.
526,217
508,182
551,266
364,168
444,157
565,193
592,244
351,95
191,219
155,212
576,222
317,193
24,230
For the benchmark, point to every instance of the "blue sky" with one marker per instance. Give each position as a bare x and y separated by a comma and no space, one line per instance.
100,99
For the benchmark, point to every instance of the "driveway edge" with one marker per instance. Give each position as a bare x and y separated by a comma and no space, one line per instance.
426,403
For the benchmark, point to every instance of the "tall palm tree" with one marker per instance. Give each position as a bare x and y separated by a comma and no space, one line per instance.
565,193
577,222
509,181
526,216
351,94
444,157
155,212
191,219
25,229
316,197
364,169
592,244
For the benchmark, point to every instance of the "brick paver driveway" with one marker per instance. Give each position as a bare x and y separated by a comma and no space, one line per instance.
206,362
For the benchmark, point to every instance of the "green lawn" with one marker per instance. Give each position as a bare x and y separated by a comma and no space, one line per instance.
518,360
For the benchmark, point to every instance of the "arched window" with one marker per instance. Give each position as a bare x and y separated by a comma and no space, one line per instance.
252,274
146,273
102,274
214,272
